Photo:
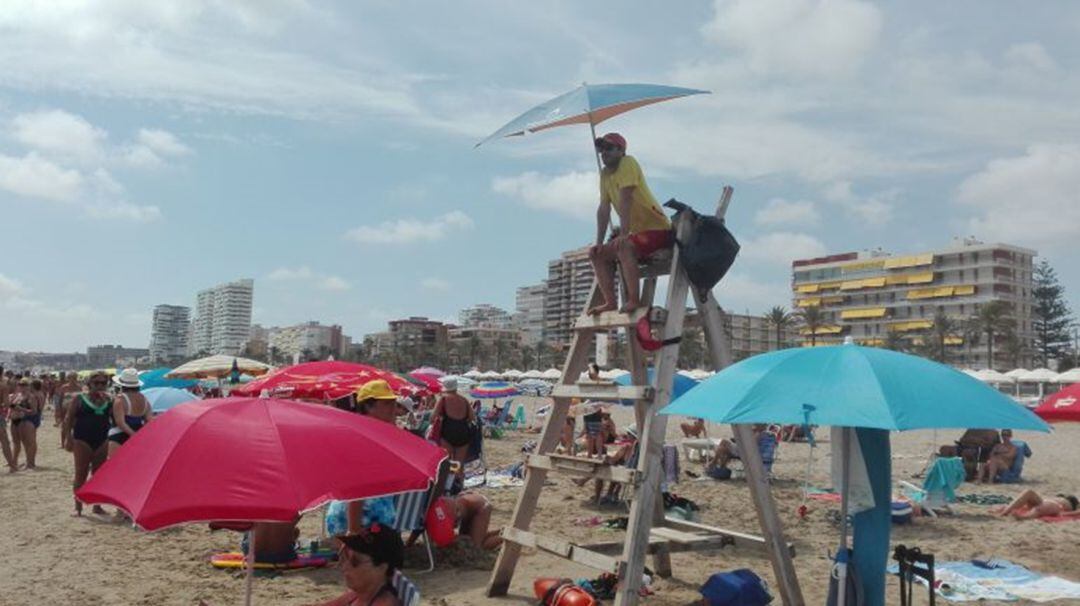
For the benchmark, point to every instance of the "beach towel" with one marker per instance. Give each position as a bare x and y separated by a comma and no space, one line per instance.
999,580
944,477
671,467
235,559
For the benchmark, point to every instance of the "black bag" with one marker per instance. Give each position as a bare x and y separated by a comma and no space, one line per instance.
708,252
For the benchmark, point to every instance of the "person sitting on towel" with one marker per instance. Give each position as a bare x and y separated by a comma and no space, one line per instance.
368,560
473,512
727,450
1030,505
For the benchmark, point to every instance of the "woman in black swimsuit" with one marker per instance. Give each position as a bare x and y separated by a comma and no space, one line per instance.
130,409
455,418
368,562
87,425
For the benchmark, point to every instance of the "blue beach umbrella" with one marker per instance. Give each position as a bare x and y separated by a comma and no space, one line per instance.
850,386
682,384
589,104
164,398
156,378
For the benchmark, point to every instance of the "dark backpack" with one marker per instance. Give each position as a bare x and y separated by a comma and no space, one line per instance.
736,588
708,252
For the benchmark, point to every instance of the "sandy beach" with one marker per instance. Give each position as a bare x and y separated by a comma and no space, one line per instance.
47,556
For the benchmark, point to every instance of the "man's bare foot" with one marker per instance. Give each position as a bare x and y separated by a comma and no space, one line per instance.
599,309
630,307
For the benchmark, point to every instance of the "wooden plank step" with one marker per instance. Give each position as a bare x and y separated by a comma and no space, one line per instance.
588,390
740,539
583,468
609,320
678,536
562,548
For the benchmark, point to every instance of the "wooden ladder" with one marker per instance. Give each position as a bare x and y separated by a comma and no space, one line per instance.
649,531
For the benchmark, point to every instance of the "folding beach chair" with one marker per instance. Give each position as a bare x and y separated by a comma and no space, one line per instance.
474,464
405,589
518,421
946,474
768,445
1013,475
411,509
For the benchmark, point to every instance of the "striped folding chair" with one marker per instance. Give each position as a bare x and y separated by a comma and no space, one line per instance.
406,591
411,509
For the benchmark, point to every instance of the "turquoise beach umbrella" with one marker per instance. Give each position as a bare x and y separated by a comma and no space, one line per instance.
680,385
156,378
164,398
851,386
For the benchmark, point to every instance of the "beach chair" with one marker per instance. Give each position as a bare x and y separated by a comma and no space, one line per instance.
475,464
768,445
519,422
939,487
411,509
1013,474
406,590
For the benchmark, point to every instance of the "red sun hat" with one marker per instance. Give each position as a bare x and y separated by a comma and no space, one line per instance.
612,139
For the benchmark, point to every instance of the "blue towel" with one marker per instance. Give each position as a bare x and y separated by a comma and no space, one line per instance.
944,477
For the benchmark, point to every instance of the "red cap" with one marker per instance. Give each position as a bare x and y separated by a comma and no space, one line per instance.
613,139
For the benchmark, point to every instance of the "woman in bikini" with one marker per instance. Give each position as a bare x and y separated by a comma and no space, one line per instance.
30,404
86,426
130,409
1030,505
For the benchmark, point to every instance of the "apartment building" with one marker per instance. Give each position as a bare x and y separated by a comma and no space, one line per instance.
169,333
223,318
872,295
485,315
569,279
529,316
308,340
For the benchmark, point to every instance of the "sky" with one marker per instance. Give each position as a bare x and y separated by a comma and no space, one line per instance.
326,149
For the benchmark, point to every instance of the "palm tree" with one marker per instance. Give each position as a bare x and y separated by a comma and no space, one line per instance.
941,330
991,321
812,319
779,318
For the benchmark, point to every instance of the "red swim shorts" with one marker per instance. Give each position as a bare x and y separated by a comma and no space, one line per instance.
647,242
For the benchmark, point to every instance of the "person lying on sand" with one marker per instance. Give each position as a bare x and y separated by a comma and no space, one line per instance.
1030,505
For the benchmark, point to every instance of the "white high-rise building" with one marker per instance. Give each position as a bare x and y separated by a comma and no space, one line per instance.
310,340
484,315
530,312
169,333
223,318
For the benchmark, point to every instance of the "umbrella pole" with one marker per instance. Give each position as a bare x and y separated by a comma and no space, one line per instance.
592,129
842,553
250,567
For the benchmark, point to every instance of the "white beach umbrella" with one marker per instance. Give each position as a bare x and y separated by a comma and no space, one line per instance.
216,367
552,374
473,374
1039,375
1016,373
488,375
532,374
1068,377
687,373
512,374
973,373
992,376
699,374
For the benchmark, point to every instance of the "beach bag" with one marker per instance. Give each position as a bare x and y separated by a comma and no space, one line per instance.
736,588
708,252
853,586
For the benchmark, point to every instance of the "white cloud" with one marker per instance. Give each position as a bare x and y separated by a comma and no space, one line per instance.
435,284
779,249
151,148
61,133
1030,55
1029,199
305,274
333,283
740,293
797,37
780,211
575,194
407,231
35,177
874,210
124,210
10,288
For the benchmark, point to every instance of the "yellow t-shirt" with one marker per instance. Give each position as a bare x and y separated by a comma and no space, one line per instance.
645,213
